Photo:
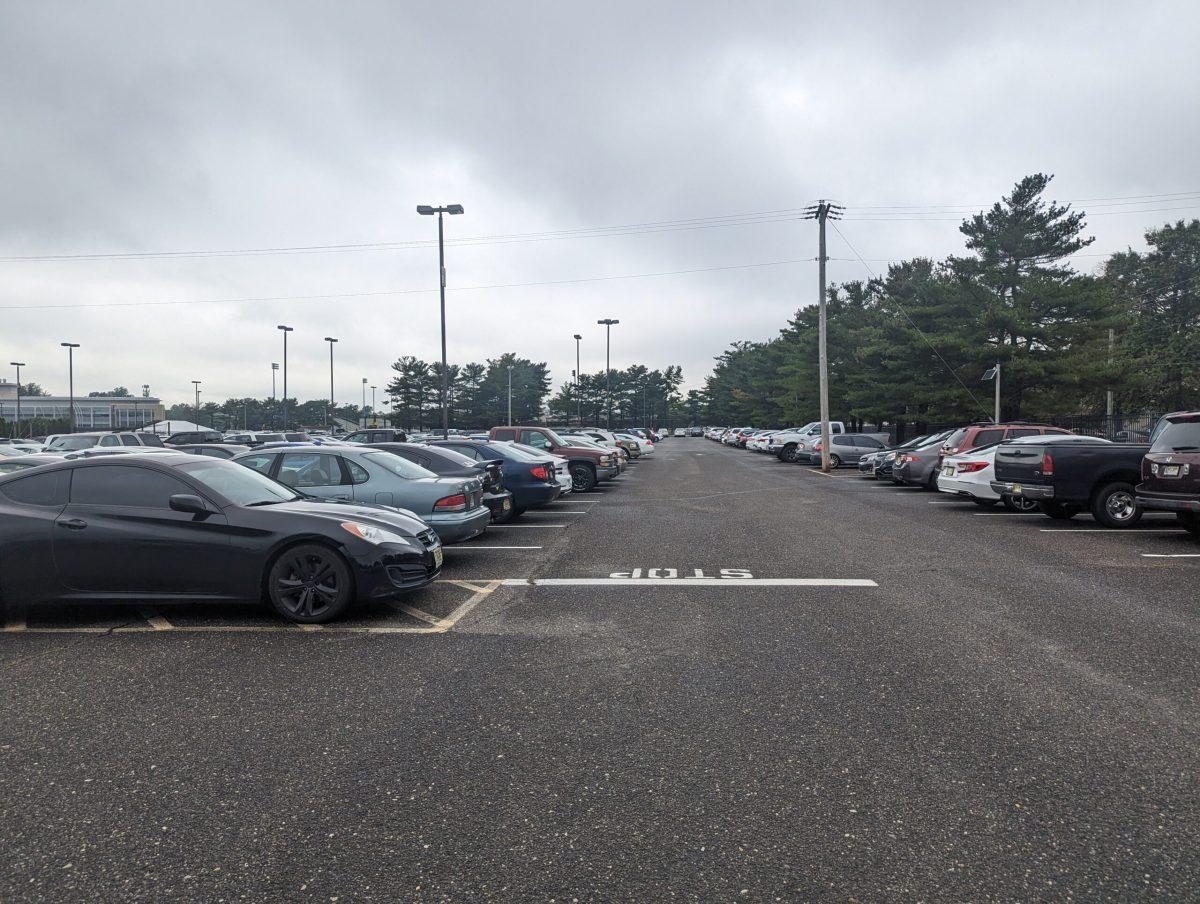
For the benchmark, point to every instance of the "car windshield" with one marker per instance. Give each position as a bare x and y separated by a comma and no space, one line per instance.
523,453
237,483
1179,435
398,465
73,443
555,438
7,467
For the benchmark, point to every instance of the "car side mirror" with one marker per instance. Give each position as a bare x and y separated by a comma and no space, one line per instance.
194,505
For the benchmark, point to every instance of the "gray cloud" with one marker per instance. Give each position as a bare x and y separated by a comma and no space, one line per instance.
163,126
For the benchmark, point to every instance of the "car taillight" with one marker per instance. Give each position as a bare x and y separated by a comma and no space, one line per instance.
816,447
909,458
1047,464
970,467
455,503
540,472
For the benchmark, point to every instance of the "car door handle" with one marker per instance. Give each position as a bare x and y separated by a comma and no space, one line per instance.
72,524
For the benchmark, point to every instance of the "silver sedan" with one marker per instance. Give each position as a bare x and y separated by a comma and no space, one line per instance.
452,506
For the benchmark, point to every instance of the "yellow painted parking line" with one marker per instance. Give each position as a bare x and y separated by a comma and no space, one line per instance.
16,620
465,609
416,613
154,617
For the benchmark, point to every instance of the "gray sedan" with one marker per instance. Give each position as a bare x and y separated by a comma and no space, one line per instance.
452,506
919,466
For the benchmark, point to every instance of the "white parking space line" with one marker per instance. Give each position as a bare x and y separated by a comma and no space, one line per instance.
553,512
504,526
686,582
1171,555
1105,530
1007,513
452,548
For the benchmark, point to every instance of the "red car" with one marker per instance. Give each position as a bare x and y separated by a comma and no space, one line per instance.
985,433
1171,470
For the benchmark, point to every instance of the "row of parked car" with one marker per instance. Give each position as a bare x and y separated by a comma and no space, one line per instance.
1020,465
311,525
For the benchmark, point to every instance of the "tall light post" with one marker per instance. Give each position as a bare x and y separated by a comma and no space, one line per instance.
364,400
329,407
285,330
578,373
608,324
18,365
426,210
373,418
645,404
274,401
196,386
993,373
510,420
70,347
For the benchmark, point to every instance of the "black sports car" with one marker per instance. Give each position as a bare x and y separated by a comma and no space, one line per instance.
176,526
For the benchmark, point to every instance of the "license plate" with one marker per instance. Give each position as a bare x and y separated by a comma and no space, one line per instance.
506,505
1170,470
948,471
437,557
1016,489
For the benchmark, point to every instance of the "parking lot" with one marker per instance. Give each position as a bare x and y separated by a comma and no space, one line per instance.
724,677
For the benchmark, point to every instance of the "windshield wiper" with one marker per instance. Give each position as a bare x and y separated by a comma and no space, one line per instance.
1184,448
267,502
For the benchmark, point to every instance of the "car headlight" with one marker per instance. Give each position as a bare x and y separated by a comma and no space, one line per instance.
373,534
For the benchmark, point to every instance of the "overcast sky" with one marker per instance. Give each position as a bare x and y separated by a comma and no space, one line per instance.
161,127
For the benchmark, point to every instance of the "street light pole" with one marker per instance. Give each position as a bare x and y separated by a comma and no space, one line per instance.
364,402
196,385
18,365
426,210
329,407
70,347
608,324
373,416
578,372
510,420
274,401
285,330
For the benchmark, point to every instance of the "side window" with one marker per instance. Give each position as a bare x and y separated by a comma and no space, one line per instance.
359,436
38,489
149,439
987,437
358,474
123,485
310,469
869,442
1022,431
505,435
110,440
129,439
469,451
535,439
259,463
215,453
846,440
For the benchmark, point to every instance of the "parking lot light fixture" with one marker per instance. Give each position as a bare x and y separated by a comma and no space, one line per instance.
18,365
373,405
426,210
196,386
364,401
285,330
510,420
578,396
608,324
993,373
70,347
329,407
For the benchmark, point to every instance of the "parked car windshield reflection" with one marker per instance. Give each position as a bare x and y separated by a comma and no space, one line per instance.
398,465
238,484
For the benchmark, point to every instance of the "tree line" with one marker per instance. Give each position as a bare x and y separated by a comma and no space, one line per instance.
913,343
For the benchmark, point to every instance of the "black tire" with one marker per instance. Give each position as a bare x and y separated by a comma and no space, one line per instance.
583,478
1059,511
1019,503
1190,522
310,584
984,503
1113,505
788,453
834,462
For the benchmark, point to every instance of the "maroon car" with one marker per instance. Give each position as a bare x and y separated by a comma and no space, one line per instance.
1171,470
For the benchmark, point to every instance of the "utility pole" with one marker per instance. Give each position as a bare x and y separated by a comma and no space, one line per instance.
18,365
578,372
274,370
996,414
608,324
1108,405
329,407
823,210
426,210
70,347
364,400
285,330
510,420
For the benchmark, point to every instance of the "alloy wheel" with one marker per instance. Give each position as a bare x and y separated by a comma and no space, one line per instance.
308,585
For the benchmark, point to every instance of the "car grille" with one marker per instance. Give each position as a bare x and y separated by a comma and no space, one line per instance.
428,539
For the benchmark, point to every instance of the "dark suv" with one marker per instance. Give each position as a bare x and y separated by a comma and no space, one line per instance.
1171,470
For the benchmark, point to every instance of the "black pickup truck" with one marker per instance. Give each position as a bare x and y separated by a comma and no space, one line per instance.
1066,478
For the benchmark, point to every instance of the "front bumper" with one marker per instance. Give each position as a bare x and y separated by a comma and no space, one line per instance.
1026,490
607,473
390,569
455,527
1149,500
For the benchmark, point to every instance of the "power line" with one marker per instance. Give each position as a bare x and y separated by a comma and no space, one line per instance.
270,298
913,324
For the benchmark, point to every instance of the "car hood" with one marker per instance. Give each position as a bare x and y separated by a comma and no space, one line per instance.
383,515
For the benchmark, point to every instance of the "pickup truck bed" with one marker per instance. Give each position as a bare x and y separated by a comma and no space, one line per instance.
1069,478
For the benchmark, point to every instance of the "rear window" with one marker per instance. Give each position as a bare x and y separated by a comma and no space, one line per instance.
985,437
38,489
1179,436
149,439
955,438
397,465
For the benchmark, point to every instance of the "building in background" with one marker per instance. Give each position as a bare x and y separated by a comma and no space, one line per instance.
91,413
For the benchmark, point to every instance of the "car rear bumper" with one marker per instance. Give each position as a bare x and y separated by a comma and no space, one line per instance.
958,487
1027,490
1166,502
498,503
539,494
455,527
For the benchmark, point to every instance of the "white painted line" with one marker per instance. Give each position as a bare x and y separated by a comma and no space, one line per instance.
1005,513
951,503
497,526
1105,530
688,582
1171,555
890,486
462,611
551,512
416,613
154,618
239,629
451,548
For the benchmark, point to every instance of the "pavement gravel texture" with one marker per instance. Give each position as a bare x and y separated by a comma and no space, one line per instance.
1010,713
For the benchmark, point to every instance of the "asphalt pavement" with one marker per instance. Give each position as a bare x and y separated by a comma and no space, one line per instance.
723,678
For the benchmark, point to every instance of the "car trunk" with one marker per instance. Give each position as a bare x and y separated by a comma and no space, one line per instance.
1023,464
